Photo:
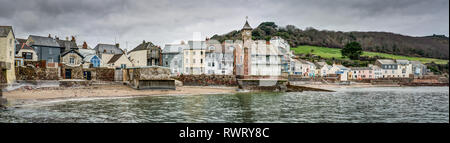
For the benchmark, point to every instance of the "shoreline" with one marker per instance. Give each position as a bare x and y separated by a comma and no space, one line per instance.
26,97
21,97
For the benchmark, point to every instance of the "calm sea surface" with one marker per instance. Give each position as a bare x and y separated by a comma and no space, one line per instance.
381,104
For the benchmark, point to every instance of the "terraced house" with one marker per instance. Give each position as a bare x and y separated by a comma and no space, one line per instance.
173,57
46,48
7,45
106,51
219,57
146,54
194,58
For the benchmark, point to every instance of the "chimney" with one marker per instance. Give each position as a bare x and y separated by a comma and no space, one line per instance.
143,42
49,36
117,45
67,38
73,39
57,38
84,45
182,43
268,42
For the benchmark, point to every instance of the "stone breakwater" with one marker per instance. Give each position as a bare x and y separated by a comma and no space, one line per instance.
207,80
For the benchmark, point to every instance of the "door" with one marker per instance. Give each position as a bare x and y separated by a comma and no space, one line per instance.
87,75
68,74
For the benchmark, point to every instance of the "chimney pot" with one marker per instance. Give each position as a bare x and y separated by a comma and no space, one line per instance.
117,45
84,45
73,39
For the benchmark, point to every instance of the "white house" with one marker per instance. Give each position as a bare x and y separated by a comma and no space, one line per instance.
173,57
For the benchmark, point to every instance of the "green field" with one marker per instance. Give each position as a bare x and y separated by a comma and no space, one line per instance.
336,53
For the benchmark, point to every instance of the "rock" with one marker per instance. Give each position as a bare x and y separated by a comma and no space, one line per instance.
178,83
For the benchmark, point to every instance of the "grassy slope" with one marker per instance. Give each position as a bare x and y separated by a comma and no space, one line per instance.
336,53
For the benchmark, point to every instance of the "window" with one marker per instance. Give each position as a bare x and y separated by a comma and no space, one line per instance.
123,66
193,61
201,61
194,53
50,60
186,53
267,59
201,52
50,51
27,55
72,60
175,63
187,61
213,64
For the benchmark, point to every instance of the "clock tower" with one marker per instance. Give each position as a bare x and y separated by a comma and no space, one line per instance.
246,32
247,43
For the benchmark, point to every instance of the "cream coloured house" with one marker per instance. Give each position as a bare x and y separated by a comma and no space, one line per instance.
119,61
7,45
26,52
72,58
404,69
146,54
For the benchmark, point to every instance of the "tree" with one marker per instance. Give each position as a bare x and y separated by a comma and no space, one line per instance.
352,50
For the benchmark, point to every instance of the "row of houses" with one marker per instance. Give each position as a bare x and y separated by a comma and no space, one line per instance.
246,57
241,57
383,68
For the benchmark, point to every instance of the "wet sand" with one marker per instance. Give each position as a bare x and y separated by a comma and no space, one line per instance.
25,96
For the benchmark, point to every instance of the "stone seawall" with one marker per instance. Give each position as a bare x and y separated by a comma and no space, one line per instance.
207,80
30,73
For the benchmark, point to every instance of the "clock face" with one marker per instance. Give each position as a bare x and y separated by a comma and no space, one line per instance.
248,32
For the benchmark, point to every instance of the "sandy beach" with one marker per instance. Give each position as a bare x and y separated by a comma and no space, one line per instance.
25,96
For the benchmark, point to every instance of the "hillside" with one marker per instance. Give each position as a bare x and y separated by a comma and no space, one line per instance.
436,46
336,53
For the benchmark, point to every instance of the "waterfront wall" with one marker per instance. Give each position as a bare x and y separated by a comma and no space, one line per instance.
31,73
207,80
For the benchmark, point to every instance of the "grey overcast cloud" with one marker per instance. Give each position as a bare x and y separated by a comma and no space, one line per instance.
128,22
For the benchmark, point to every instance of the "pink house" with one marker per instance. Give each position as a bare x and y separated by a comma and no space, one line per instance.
360,73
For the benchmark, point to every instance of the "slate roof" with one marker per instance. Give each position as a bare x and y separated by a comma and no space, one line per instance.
321,64
144,46
110,49
88,58
4,30
403,62
197,45
43,41
416,62
247,26
361,68
115,58
72,51
386,61
86,52
68,45
173,48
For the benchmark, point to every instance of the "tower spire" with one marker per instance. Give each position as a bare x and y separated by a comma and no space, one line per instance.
247,26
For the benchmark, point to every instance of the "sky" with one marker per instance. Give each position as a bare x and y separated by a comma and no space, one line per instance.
129,22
